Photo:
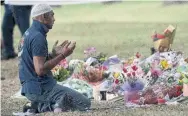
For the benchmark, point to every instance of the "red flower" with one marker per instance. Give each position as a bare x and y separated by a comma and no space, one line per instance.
134,68
179,88
133,73
116,81
124,70
129,74
178,93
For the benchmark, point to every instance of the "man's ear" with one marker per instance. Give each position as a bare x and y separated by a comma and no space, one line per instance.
45,16
43,19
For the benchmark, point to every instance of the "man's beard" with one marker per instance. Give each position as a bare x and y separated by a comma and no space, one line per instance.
49,26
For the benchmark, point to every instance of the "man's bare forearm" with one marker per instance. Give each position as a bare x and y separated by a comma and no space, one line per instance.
50,56
50,64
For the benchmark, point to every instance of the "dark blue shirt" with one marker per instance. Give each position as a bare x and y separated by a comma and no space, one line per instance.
34,43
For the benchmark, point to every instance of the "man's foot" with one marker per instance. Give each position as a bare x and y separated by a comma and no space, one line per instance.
7,57
30,107
57,110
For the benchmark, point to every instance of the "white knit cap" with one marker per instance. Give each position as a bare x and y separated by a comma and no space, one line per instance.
40,9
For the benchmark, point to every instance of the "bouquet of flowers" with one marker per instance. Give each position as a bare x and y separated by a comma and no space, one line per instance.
90,74
60,72
114,82
132,70
79,85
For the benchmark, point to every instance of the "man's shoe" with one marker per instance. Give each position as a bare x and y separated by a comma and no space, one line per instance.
30,107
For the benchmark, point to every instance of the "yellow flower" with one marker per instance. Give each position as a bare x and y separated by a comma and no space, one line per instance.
164,64
116,75
180,82
103,59
130,61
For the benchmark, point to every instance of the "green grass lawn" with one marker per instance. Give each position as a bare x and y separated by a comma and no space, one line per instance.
121,28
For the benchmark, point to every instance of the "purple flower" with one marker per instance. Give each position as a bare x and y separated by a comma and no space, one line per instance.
90,50
138,85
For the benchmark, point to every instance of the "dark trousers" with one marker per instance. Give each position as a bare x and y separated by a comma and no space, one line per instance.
13,15
59,97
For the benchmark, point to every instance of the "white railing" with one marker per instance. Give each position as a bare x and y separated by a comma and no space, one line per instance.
53,2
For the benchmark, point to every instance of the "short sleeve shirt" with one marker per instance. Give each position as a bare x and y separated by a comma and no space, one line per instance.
34,43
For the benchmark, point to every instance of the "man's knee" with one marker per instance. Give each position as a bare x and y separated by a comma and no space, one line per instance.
88,102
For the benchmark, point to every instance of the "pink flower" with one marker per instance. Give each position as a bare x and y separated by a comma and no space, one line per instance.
156,72
133,73
124,70
90,50
64,63
116,81
134,68
103,68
